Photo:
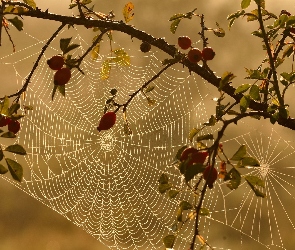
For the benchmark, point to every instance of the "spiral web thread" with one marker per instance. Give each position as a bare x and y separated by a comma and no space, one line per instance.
106,183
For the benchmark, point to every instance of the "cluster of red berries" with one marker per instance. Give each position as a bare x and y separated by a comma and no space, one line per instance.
196,156
63,74
195,55
13,125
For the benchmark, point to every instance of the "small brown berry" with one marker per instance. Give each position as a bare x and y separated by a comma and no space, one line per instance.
62,76
194,55
145,47
208,53
55,62
184,42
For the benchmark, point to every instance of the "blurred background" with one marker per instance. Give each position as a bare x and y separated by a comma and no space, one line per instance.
25,223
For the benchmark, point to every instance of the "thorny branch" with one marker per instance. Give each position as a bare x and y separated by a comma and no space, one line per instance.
157,42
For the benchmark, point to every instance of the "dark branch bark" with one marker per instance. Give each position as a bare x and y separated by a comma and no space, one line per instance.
160,44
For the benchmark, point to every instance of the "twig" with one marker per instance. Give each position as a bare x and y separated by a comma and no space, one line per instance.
23,89
142,87
271,59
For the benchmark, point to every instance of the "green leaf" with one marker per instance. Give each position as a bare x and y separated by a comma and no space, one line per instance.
254,93
85,2
257,33
205,137
64,43
185,205
283,112
219,32
71,47
286,76
279,61
174,227
254,74
176,16
3,170
281,21
193,170
174,25
193,133
260,3
179,214
204,211
149,89
232,17
5,106
163,179
8,135
212,121
169,241
15,169
259,193
244,103
240,154
255,180
250,161
13,108
252,182
17,23
251,16
164,187
54,91
225,79
242,88
290,21
31,3
16,117
235,179
8,9
62,89
173,193
16,149
245,4
105,70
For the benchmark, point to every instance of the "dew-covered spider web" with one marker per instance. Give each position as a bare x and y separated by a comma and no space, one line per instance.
106,183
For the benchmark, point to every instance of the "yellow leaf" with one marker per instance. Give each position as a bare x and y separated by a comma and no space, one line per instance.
105,70
128,12
95,52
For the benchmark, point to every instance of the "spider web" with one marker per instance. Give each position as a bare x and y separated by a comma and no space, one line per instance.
106,183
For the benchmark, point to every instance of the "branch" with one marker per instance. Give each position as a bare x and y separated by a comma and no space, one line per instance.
161,44
23,89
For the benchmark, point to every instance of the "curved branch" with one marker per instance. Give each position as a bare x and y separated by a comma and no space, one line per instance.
161,44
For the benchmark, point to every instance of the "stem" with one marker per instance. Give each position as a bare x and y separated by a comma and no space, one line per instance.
23,89
142,87
271,58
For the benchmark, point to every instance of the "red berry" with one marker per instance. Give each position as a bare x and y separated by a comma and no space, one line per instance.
107,121
56,62
210,177
87,25
194,55
195,155
208,53
14,126
145,47
62,76
4,121
184,42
